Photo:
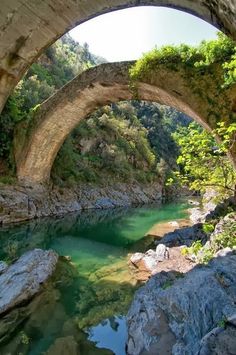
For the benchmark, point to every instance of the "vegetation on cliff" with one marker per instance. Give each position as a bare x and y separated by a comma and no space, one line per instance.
54,68
202,160
203,163
123,142
198,59
130,140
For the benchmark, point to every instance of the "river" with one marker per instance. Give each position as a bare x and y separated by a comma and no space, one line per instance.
82,311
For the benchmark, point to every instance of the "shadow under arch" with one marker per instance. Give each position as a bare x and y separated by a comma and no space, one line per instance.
27,28
104,84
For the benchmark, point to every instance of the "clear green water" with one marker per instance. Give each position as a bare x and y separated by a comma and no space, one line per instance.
85,304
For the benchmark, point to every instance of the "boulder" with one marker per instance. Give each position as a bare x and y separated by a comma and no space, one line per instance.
150,260
142,266
23,279
183,310
136,258
184,236
162,252
221,340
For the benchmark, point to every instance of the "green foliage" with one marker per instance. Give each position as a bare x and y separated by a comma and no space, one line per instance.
54,68
227,238
65,163
199,252
110,145
199,58
208,228
230,71
11,249
207,255
11,115
8,180
24,338
167,284
123,149
222,323
203,163
193,250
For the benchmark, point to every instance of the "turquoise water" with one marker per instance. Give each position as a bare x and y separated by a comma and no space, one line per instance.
84,307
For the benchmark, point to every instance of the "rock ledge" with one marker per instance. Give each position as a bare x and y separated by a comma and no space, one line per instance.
23,279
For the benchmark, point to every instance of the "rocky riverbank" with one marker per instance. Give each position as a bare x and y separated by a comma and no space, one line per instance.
192,313
20,203
188,305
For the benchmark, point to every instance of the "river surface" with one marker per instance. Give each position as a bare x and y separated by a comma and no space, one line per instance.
82,310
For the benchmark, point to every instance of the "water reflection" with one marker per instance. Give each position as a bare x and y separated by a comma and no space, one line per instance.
81,310
106,333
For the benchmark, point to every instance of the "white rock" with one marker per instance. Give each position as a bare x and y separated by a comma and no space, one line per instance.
150,262
174,223
162,252
223,252
136,257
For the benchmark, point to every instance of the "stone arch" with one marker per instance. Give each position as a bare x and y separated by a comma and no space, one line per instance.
109,83
28,27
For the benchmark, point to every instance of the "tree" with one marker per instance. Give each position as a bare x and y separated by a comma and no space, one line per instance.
202,162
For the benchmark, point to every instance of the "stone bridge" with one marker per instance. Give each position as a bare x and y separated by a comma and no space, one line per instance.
199,96
27,27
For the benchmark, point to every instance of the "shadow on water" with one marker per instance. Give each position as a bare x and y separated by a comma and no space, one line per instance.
69,315
120,227
83,308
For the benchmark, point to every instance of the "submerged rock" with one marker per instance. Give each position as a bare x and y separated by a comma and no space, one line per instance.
62,346
181,311
23,279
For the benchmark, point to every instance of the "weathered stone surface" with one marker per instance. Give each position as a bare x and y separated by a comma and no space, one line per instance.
184,310
219,341
23,203
23,279
162,252
136,257
184,236
143,265
207,209
175,262
3,266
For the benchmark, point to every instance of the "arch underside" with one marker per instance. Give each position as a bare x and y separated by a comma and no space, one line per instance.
92,89
29,27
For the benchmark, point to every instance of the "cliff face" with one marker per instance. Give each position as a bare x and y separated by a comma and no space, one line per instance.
191,314
188,306
23,203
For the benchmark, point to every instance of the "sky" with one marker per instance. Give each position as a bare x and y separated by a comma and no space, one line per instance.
127,34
